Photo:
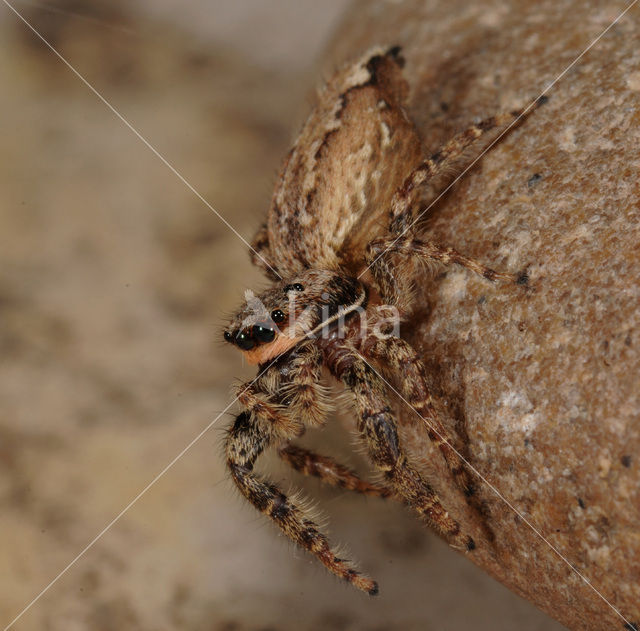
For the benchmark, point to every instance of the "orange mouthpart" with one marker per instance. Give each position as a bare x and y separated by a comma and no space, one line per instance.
267,352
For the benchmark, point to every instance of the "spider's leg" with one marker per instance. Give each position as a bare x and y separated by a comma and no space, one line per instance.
378,428
247,439
444,161
261,255
306,399
329,471
276,412
395,281
403,361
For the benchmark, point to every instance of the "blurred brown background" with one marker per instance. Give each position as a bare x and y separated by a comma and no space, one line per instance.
114,283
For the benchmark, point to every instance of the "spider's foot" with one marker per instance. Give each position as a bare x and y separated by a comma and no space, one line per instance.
363,583
373,591
462,542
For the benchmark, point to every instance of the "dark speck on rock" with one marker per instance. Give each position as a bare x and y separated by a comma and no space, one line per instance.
533,180
626,461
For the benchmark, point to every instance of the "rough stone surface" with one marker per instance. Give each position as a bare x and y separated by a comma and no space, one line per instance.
542,382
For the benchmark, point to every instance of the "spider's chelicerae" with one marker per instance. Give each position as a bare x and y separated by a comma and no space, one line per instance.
346,200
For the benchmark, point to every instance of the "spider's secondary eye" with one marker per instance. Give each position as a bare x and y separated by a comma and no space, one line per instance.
263,333
245,341
294,287
228,337
277,316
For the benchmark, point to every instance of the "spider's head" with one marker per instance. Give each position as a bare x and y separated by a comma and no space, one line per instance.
271,323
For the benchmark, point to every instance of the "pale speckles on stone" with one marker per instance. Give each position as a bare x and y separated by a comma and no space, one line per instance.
579,235
454,288
625,489
591,536
486,80
604,17
566,139
546,476
522,238
514,414
604,466
600,555
501,214
617,425
493,16
633,81
526,423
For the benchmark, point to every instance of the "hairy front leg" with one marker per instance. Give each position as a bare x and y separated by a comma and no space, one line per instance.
246,440
410,375
378,428
329,471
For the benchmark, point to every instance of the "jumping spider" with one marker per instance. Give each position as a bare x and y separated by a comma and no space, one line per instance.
345,202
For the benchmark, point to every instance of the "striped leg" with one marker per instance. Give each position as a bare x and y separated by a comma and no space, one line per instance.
378,428
404,362
246,440
396,285
329,471
446,161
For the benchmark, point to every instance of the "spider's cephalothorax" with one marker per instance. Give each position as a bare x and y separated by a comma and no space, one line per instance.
291,311
345,201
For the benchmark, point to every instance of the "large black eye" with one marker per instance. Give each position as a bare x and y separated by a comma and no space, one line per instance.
263,333
245,341
277,316
228,337
294,287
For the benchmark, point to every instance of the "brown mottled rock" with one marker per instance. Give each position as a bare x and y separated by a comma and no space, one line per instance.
542,383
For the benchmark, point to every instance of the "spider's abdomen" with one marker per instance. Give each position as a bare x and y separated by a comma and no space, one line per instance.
335,188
